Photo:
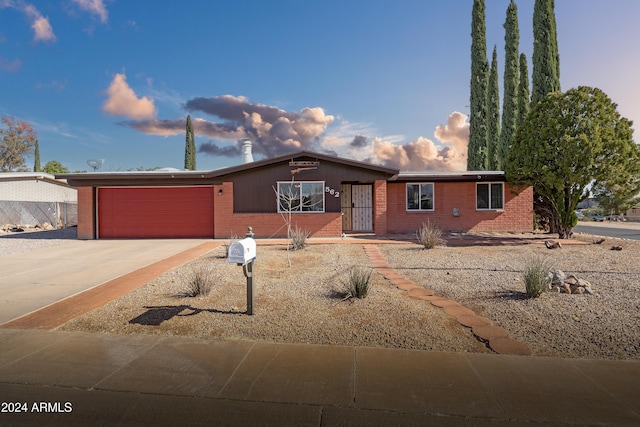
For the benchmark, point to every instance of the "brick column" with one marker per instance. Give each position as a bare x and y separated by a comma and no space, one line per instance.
380,207
223,210
86,213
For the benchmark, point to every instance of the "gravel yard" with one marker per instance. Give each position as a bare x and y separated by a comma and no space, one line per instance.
298,304
605,325
12,243
302,303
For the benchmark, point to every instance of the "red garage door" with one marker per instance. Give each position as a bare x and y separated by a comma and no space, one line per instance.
157,212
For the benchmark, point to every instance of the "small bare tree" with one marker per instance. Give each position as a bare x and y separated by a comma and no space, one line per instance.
291,199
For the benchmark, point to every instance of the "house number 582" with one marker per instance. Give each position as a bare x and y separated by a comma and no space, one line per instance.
331,191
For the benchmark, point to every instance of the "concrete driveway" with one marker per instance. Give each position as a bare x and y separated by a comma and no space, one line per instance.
34,279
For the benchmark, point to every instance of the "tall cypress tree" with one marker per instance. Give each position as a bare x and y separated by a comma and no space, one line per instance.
477,150
524,98
545,79
36,158
546,58
493,114
510,85
190,147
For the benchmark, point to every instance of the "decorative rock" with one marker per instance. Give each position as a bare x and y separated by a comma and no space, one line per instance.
557,277
406,286
489,332
550,244
471,321
417,292
428,297
572,279
583,283
575,289
455,310
508,345
444,303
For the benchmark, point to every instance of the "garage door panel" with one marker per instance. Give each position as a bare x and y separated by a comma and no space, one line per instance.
162,212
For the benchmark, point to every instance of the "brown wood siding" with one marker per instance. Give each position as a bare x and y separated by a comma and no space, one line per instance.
253,190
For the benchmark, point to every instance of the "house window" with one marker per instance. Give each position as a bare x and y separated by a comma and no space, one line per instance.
301,196
420,197
490,195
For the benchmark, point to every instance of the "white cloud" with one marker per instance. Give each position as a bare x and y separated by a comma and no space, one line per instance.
95,7
10,66
42,30
423,154
123,101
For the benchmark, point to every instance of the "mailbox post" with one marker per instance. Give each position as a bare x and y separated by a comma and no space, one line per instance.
243,252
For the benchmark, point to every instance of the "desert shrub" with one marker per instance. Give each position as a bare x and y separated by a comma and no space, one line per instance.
357,283
298,237
430,236
536,276
197,283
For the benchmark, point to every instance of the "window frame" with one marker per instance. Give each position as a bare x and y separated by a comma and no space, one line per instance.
489,185
420,209
301,205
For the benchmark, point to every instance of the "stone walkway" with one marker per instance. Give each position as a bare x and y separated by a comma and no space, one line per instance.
498,338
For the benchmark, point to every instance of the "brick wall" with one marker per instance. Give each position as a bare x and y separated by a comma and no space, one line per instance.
227,223
36,190
380,207
86,213
517,215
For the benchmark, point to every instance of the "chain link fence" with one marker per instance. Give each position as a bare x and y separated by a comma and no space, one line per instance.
30,214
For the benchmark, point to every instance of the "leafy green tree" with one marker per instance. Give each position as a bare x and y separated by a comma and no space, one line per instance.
546,58
190,147
568,141
524,98
36,160
17,140
477,151
510,85
54,167
493,114
619,191
618,195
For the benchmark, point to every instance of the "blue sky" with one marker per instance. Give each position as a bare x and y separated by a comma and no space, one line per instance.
384,81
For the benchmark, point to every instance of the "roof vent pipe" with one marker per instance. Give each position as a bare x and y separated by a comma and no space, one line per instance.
247,157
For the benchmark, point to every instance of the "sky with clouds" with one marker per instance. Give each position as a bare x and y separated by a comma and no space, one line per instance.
375,80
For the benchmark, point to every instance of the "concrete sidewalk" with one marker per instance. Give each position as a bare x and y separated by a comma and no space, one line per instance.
90,379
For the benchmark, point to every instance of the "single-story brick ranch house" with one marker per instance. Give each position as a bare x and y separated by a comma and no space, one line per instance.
327,195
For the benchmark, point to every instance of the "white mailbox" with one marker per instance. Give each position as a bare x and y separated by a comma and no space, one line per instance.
242,251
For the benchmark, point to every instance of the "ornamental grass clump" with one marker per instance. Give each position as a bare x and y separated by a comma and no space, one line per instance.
298,237
358,282
198,283
536,276
430,236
